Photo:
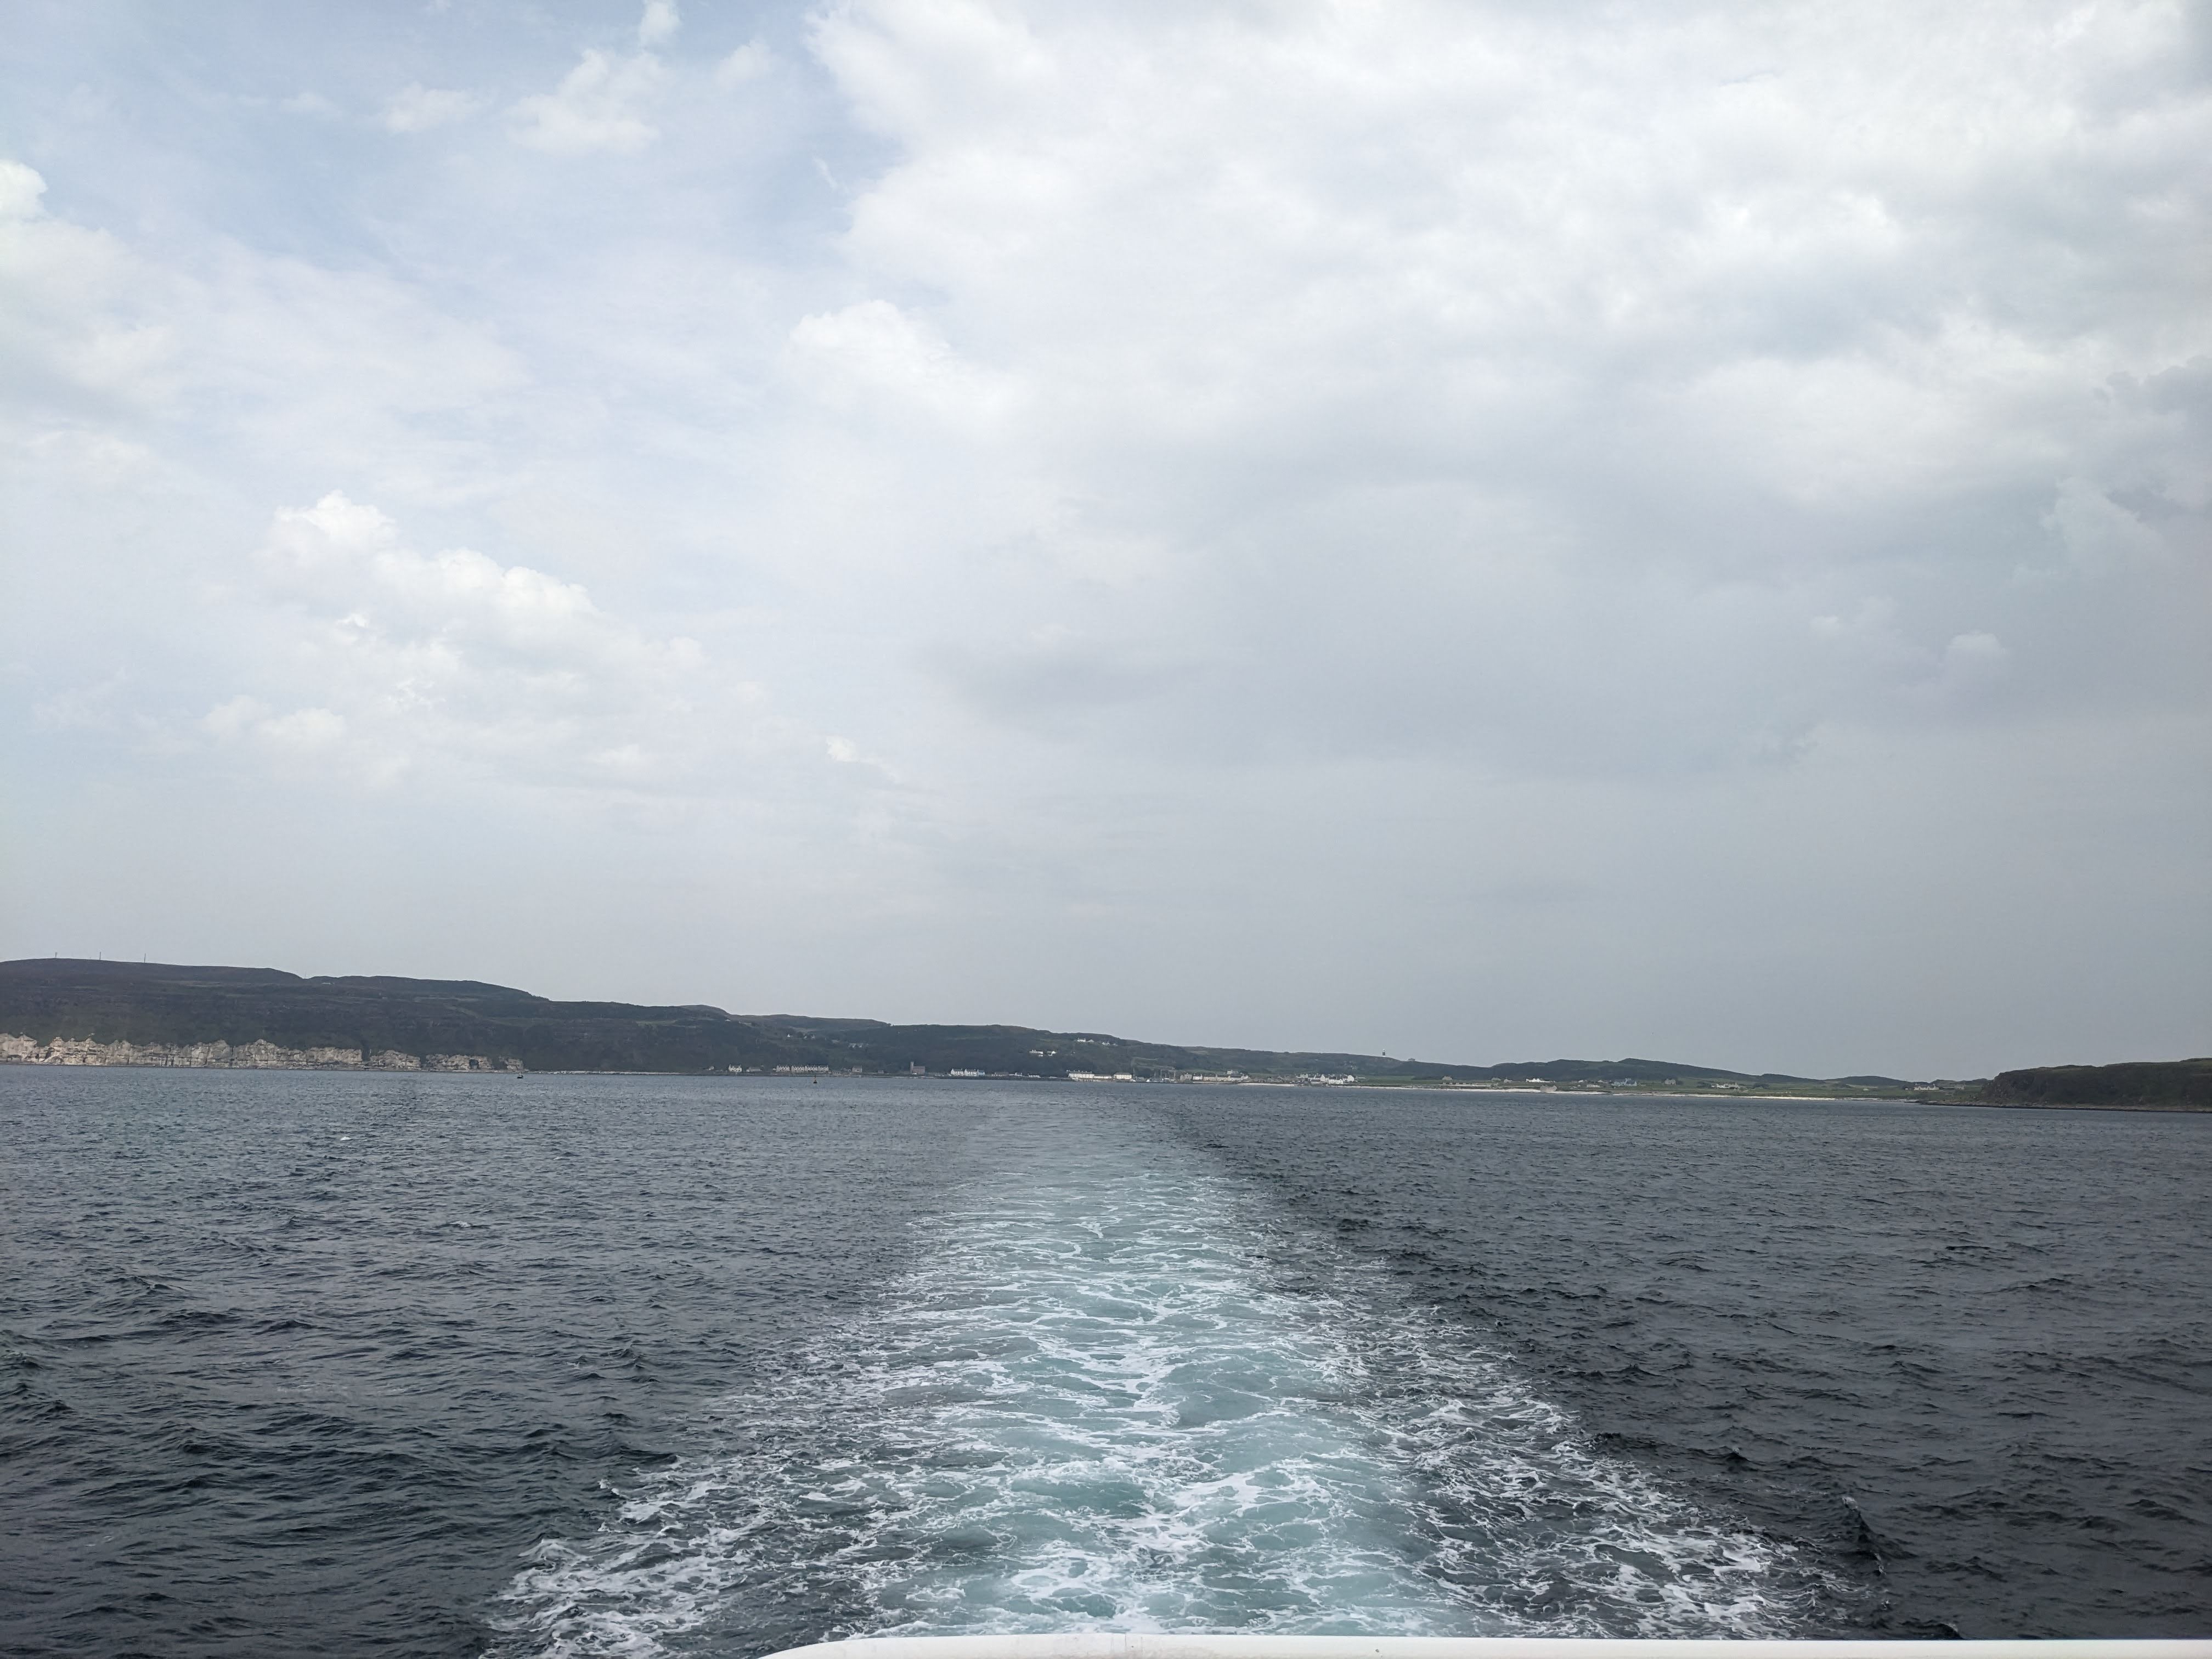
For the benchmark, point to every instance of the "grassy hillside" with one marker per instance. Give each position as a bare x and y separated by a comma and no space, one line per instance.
47,998
2171,1085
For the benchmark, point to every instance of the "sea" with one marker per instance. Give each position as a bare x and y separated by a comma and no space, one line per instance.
301,1363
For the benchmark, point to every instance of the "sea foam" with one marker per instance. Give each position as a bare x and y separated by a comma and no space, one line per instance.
1116,1391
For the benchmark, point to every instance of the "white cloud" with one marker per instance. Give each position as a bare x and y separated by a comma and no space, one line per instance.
1977,648
113,355
660,22
597,107
1533,386
82,322
233,717
749,62
417,108
874,357
417,660
21,187
302,731
83,708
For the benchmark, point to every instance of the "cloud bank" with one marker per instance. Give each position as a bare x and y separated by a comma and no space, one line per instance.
1489,530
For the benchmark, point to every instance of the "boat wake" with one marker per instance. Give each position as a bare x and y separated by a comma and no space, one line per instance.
1116,1393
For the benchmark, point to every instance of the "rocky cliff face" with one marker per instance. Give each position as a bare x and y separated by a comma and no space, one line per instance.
254,1056
2166,1085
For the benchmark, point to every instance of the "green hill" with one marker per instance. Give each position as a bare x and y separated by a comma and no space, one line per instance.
47,999
2173,1085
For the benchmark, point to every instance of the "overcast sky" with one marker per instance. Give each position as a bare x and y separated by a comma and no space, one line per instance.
1486,530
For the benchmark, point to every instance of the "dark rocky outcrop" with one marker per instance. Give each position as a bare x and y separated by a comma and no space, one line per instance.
2171,1085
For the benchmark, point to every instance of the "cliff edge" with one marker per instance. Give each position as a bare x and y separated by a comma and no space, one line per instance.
2143,1085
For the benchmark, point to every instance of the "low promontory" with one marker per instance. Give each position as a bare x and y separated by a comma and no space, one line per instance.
2141,1085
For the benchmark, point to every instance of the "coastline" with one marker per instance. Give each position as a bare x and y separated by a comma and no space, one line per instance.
260,1055
2091,1105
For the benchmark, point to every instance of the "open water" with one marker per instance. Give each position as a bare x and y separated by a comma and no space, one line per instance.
305,1364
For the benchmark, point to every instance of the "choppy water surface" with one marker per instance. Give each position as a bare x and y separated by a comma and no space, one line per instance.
311,1364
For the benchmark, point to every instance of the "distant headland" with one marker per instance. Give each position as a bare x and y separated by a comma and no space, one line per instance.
69,1011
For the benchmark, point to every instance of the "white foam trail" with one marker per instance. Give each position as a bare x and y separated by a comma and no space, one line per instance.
1092,1405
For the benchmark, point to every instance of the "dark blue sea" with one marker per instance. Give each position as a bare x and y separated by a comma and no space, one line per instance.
301,1363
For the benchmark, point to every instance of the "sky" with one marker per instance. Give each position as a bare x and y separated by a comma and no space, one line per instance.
1483,531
